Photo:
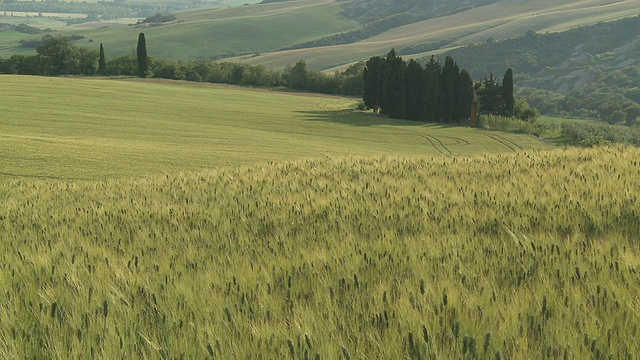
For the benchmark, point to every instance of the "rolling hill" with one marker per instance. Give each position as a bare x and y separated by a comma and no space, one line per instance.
498,20
260,30
61,128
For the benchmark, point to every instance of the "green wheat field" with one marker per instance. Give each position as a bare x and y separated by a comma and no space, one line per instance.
143,219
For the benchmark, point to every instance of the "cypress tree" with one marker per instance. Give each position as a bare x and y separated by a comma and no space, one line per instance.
432,95
102,62
448,84
464,95
507,92
414,91
141,52
372,87
393,101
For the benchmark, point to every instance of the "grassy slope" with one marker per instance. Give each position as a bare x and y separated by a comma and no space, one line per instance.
530,255
95,128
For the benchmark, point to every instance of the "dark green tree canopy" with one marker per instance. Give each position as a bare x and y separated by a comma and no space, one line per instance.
507,92
410,91
57,56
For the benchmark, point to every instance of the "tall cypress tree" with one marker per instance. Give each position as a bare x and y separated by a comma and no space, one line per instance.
372,87
464,95
448,84
414,91
507,92
393,101
432,94
141,52
102,62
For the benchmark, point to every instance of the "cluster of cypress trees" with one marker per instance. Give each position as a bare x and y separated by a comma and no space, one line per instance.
437,93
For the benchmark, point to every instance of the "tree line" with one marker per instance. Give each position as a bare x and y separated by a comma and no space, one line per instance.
57,55
434,92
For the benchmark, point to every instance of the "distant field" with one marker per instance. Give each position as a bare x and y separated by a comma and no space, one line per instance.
66,128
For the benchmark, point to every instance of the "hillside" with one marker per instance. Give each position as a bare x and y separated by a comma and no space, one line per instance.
369,10
210,33
510,256
499,20
591,71
66,128
551,60
259,31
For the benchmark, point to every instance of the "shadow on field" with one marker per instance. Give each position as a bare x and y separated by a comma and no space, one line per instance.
354,118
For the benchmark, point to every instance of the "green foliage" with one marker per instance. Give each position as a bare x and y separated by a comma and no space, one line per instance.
358,257
58,56
490,96
21,28
591,134
510,124
507,93
523,111
298,76
372,80
102,61
142,57
393,86
448,87
160,18
408,91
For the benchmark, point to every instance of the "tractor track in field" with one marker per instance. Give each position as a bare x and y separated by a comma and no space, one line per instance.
459,141
44,177
435,142
513,146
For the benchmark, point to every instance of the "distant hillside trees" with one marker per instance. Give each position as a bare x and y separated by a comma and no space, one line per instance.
58,56
410,91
